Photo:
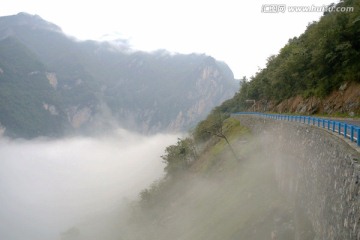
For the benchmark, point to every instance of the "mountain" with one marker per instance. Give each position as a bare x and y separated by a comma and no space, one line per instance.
25,93
315,73
52,84
290,83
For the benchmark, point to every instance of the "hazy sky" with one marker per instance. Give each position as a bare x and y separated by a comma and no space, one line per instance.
237,32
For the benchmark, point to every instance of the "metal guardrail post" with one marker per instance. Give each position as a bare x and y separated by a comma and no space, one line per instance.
352,133
345,130
339,128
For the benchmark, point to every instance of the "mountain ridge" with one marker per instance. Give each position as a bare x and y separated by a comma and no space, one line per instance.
99,85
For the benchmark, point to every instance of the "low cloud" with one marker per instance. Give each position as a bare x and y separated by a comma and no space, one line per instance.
50,186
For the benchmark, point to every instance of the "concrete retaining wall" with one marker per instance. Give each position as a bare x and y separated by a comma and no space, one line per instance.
319,172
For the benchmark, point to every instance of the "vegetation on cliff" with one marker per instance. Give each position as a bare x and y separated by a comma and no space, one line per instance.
317,62
212,195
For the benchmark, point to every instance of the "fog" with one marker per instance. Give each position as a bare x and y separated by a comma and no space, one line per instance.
222,197
50,186
87,188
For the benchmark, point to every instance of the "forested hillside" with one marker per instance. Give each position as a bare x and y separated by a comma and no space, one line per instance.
313,65
26,94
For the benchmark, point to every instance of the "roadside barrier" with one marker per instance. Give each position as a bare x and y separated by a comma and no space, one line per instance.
348,131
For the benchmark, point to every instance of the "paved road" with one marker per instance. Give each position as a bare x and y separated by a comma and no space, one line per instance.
351,133
352,121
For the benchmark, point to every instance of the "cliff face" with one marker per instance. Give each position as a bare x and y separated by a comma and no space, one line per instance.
345,101
210,90
173,103
90,85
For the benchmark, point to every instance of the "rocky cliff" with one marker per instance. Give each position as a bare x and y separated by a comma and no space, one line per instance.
343,101
74,86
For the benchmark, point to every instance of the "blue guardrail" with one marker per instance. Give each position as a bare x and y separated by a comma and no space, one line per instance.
348,131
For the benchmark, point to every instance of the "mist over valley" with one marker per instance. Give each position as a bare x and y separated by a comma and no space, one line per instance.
101,141
50,186
84,125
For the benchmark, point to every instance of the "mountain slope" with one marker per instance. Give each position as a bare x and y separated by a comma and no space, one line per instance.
316,67
100,85
27,98
215,196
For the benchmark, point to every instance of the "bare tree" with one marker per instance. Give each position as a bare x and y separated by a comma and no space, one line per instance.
216,129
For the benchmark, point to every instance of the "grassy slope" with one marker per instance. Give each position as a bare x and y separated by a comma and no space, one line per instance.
220,197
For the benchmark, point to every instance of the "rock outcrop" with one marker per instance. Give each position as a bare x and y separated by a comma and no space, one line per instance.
345,100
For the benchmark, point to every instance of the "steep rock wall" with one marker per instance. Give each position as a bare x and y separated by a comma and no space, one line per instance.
318,171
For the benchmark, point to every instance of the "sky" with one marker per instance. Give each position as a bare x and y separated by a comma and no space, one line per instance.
242,34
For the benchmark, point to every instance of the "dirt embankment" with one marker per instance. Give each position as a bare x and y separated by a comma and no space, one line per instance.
345,100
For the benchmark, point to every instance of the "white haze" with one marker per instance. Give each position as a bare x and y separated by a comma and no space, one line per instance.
236,32
50,186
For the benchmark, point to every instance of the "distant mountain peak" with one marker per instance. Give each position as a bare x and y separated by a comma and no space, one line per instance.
26,19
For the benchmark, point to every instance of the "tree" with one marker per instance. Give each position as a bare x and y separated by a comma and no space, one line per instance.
179,157
213,126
